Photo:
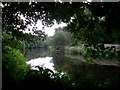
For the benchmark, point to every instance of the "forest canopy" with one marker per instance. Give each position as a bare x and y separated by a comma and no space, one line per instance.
92,22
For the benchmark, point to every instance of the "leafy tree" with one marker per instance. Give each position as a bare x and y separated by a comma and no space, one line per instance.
14,67
12,21
92,23
61,38
87,18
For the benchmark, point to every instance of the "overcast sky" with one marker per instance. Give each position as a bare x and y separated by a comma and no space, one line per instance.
49,30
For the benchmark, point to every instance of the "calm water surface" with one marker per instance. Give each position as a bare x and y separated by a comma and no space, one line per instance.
46,62
74,66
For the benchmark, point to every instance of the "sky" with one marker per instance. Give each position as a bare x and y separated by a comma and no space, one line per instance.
89,0
49,30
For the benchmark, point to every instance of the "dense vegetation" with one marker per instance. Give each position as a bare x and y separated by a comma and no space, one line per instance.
61,39
92,24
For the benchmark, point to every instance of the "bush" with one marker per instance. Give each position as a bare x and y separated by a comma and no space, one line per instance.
14,66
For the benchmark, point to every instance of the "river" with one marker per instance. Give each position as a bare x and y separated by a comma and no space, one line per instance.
74,66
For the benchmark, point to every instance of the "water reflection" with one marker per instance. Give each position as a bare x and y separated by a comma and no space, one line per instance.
44,62
86,74
37,53
82,72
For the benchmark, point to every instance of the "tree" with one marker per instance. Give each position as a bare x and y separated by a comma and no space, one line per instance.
62,12
92,23
62,38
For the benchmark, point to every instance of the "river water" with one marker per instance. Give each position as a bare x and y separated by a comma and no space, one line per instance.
75,67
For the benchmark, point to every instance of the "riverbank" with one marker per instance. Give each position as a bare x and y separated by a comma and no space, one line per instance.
107,62
106,58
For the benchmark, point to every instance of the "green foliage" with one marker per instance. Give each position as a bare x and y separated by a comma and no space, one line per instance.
45,79
87,26
14,63
38,52
44,11
85,15
100,51
21,44
61,38
92,27
73,52
40,44
93,52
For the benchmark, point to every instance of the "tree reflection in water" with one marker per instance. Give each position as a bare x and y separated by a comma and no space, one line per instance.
83,74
